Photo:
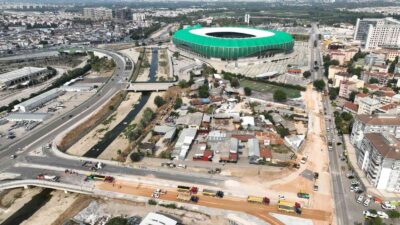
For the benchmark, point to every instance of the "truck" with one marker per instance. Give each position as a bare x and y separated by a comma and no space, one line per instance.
259,200
292,207
185,197
94,166
187,189
96,177
302,194
48,177
213,193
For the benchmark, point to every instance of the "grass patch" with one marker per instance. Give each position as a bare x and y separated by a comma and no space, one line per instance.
269,88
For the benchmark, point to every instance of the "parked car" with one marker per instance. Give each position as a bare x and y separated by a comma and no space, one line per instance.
360,199
304,160
367,213
388,206
366,202
382,215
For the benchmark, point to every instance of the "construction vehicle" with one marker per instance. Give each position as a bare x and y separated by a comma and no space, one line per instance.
185,197
192,190
213,193
292,207
302,194
259,200
48,177
95,177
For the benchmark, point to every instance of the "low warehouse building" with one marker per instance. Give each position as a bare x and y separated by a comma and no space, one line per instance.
21,75
37,117
39,100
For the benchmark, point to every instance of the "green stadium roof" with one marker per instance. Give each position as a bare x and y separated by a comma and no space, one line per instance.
197,39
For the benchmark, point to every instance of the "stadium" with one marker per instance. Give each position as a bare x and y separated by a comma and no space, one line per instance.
231,43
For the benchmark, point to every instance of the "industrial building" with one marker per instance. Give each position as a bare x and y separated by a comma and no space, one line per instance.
158,219
231,43
183,143
37,117
378,33
21,75
39,100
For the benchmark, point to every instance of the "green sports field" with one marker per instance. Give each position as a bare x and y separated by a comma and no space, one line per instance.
269,88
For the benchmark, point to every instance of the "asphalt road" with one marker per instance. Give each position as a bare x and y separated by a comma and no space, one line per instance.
46,133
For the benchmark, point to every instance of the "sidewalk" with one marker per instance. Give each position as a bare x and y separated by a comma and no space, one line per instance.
368,187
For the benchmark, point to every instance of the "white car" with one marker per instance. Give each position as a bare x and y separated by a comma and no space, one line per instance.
387,205
382,215
367,213
366,202
182,166
360,199
304,160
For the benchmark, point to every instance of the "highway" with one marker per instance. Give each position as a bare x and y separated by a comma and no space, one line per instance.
48,132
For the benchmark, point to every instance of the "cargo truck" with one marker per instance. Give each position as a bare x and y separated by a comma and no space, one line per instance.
95,177
184,197
292,207
213,193
259,200
48,177
187,189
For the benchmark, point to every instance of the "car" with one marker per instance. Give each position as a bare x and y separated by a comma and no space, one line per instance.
388,206
183,166
13,156
304,160
281,196
359,191
315,187
367,213
360,199
366,202
355,182
350,176
382,215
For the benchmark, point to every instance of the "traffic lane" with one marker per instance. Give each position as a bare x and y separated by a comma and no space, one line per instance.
212,180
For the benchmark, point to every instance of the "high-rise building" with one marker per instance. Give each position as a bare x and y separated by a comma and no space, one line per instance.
247,18
123,14
138,17
97,13
378,33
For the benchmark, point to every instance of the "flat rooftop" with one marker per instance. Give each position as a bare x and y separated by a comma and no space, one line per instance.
20,73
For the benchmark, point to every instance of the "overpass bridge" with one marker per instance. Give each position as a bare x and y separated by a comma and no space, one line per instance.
46,184
149,86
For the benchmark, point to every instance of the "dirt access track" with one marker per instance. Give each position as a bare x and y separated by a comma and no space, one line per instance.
228,203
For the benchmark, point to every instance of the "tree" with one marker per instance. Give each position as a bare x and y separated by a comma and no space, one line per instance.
374,221
176,54
178,103
319,85
307,74
203,91
393,65
247,91
352,95
183,84
393,214
117,221
136,156
159,101
282,131
346,116
279,96
235,83
373,80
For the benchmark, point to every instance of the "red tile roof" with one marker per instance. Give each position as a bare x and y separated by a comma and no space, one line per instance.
351,106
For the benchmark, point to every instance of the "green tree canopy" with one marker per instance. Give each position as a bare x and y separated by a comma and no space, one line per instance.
319,85
373,80
178,103
279,96
159,101
203,91
235,83
117,221
247,91
307,74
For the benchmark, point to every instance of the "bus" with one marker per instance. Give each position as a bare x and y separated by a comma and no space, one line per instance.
289,206
259,200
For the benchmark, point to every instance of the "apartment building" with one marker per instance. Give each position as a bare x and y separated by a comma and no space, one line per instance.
379,157
97,13
368,105
346,87
382,77
379,123
378,33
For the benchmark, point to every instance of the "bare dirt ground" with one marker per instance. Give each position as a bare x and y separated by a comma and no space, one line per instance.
121,142
230,203
131,53
89,140
52,210
14,199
